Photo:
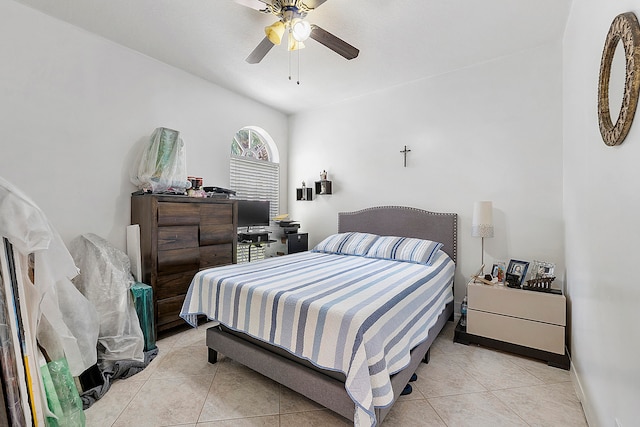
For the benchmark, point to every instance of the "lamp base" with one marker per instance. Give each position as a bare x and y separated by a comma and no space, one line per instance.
482,256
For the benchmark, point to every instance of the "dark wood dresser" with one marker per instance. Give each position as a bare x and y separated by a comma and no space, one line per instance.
179,236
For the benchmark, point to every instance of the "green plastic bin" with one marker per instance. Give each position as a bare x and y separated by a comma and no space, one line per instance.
143,301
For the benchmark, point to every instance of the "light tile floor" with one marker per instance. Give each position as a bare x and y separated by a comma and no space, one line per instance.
461,386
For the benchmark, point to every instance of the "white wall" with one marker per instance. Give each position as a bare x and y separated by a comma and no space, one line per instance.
602,201
75,109
488,132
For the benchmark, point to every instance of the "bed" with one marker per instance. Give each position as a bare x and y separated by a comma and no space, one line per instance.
344,328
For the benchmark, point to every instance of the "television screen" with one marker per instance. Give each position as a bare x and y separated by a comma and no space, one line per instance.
253,213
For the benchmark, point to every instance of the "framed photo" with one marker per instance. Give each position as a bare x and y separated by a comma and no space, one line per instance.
498,271
517,270
542,269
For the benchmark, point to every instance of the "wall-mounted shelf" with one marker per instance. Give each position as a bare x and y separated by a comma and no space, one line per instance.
304,193
323,187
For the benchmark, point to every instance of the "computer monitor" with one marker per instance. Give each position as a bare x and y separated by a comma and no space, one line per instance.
253,213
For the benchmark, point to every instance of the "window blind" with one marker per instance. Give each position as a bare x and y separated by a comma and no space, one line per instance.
256,180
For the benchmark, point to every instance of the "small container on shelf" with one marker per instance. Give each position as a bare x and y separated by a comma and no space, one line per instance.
323,187
304,193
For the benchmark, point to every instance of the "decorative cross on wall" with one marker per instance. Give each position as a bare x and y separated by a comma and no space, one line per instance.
405,151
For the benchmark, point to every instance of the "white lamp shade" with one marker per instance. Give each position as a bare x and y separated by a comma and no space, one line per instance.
482,223
300,30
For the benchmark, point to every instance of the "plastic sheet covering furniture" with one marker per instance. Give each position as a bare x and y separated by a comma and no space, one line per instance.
105,279
325,386
49,308
162,163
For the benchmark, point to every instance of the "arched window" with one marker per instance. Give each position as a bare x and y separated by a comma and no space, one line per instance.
253,142
255,171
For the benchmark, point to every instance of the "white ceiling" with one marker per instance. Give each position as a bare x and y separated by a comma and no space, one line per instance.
399,40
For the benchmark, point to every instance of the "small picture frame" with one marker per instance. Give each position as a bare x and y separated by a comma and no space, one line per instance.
498,271
541,269
517,270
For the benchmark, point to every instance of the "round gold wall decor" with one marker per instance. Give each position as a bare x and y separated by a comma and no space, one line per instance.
624,29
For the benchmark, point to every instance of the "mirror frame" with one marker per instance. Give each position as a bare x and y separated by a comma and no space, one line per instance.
625,29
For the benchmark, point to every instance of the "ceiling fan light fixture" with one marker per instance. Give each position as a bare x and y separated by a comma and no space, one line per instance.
275,32
300,29
291,16
295,44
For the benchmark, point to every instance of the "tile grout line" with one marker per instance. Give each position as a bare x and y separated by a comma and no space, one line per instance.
509,407
124,407
436,412
204,402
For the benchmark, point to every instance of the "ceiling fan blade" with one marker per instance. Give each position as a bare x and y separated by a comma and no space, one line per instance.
337,45
314,4
260,51
254,4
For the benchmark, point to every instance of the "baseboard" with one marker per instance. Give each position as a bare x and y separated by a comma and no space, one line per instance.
582,397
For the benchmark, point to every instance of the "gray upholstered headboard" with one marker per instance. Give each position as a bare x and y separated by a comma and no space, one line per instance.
404,222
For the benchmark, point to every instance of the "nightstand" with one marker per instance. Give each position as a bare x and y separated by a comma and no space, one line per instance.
518,321
297,242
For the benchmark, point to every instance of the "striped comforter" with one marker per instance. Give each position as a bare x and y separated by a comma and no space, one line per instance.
360,316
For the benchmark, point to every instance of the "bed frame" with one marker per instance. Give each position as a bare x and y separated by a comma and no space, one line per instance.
327,387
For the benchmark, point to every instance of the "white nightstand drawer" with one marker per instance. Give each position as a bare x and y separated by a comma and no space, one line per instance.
537,306
543,336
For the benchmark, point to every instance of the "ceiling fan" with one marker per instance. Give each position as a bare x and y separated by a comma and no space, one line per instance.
292,14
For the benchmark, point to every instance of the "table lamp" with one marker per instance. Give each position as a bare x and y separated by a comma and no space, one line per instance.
482,223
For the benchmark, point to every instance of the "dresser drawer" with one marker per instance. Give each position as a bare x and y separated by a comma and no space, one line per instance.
537,306
178,260
211,234
178,237
178,213
171,285
219,214
527,333
169,309
214,255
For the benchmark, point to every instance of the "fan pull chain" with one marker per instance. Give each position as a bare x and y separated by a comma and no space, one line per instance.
289,65
299,66
298,54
